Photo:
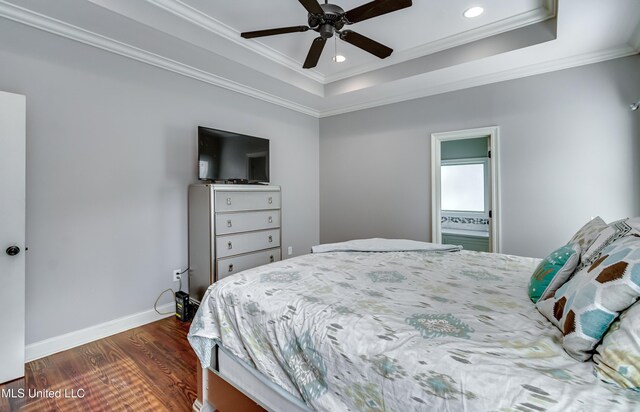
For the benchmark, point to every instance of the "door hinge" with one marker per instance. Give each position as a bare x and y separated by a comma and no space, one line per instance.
490,214
489,154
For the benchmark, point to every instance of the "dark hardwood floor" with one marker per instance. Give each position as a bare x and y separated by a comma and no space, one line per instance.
150,368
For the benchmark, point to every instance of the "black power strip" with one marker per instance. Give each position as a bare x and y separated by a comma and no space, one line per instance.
182,306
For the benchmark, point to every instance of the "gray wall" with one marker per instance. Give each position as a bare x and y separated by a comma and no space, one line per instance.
569,150
111,148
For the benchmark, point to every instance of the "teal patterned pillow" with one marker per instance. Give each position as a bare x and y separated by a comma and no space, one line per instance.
553,271
585,306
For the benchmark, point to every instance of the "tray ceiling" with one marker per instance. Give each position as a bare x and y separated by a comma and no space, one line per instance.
436,49
411,32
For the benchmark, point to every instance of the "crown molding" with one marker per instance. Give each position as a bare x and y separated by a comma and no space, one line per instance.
510,74
552,7
60,28
512,23
200,19
54,26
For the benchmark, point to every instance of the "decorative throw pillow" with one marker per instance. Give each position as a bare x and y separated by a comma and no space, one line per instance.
588,233
617,358
585,306
608,235
553,271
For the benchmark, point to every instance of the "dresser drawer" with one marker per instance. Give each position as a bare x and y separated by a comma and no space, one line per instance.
235,201
230,245
245,221
229,266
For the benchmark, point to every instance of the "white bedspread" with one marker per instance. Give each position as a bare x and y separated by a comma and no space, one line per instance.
401,331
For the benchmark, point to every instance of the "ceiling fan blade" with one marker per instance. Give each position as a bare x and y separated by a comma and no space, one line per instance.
312,6
366,44
375,8
273,32
314,53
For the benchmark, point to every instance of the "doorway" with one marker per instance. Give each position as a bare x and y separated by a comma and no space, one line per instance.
465,190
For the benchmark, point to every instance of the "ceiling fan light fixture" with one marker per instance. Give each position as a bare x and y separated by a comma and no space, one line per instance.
328,20
473,12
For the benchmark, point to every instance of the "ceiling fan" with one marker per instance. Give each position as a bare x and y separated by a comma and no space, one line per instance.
329,19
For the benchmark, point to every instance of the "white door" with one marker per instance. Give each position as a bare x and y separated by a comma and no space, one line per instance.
12,228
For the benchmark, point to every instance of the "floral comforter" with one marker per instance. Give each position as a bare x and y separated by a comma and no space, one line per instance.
401,331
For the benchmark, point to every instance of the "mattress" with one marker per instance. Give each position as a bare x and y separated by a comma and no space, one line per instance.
420,330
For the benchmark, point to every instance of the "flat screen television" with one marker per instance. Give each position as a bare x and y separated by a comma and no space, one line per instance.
228,156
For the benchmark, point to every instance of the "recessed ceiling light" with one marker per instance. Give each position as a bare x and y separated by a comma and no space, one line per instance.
338,58
473,12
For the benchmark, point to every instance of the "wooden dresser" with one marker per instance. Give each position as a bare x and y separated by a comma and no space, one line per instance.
231,228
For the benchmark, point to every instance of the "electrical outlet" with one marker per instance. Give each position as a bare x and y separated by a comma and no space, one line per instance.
176,275
290,250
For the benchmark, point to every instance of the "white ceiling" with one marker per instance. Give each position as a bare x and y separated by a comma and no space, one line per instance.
436,49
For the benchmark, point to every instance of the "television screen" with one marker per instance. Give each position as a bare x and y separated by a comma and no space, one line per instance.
227,156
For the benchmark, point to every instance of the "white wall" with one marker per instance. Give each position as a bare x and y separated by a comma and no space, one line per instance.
569,147
111,148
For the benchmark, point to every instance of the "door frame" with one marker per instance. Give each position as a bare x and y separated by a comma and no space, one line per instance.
492,133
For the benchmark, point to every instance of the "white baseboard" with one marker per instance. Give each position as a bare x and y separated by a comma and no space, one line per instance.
70,340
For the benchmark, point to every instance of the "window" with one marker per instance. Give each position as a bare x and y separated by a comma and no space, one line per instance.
464,185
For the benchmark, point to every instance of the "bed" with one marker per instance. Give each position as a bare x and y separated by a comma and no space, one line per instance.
397,331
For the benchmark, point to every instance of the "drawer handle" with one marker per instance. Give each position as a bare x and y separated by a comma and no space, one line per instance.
270,219
229,245
270,200
228,200
231,267
228,223
270,239
271,258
